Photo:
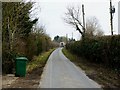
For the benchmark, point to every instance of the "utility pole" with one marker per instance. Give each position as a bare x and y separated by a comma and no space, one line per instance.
72,35
66,38
83,18
111,18
112,11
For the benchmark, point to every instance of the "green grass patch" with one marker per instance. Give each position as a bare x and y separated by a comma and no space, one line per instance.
39,61
106,77
74,58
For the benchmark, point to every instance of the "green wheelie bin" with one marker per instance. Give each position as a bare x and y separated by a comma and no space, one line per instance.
20,66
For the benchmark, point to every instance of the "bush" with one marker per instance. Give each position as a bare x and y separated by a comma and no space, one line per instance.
104,50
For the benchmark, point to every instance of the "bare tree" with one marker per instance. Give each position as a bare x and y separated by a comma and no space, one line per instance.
72,17
93,27
38,29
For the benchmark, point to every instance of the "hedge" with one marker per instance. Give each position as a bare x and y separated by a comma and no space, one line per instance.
105,49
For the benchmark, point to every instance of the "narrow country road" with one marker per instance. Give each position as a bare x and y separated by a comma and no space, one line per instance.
60,72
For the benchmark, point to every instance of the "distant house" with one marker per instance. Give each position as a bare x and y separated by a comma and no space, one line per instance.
62,44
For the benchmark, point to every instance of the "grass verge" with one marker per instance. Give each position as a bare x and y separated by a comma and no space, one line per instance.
106,77
34,71
39,61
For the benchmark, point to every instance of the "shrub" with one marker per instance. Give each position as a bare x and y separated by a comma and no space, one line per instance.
104,50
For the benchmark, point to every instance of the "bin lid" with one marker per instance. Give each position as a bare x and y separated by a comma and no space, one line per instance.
22,58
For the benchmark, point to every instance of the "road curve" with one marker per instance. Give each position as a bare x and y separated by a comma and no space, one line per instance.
60,72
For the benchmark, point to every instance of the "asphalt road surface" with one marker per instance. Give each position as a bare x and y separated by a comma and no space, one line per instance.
60,72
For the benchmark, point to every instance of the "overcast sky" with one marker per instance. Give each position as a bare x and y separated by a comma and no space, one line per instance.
52,12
